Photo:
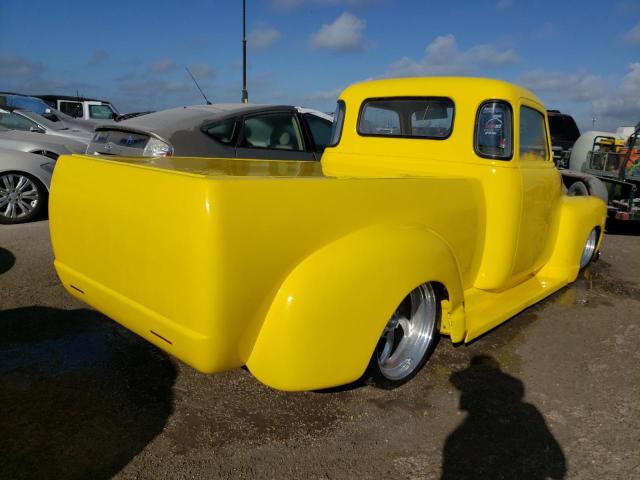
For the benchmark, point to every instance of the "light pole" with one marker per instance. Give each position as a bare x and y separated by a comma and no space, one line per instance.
245,94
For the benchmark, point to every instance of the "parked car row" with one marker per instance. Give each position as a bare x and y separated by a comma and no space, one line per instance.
31,129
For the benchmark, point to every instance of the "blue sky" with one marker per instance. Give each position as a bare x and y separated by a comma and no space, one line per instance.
582,57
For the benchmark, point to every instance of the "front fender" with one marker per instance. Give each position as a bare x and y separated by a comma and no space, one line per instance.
328,314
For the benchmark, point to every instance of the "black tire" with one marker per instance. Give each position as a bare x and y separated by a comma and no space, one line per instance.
398,357
23,197
578,189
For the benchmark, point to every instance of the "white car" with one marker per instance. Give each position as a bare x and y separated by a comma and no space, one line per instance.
24,185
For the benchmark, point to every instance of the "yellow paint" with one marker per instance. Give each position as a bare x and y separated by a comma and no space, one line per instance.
293,268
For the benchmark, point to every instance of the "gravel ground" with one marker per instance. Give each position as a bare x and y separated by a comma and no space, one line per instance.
553,393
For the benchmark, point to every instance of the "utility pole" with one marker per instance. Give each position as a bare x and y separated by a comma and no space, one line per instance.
593,122
245,94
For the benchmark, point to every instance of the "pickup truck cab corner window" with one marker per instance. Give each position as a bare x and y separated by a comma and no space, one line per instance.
338,122
493,136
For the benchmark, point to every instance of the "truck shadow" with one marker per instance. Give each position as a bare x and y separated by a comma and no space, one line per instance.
502,436
79,396
7,259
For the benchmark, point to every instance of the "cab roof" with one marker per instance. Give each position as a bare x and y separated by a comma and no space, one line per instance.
451,87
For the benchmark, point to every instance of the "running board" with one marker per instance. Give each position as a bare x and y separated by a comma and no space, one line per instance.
485,309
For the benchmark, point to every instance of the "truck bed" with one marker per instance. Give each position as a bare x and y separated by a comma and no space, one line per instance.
190,252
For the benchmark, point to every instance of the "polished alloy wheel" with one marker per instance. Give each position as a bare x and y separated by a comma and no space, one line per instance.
409,334
589,249
19,196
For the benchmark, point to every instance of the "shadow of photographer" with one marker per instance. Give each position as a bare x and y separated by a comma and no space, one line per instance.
79,395
502,437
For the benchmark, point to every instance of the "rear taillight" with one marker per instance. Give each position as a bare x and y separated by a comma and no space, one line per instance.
157,148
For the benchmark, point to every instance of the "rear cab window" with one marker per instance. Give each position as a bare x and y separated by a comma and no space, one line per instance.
414,117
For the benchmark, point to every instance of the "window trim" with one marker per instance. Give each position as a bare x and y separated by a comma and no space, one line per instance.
414,137
475,131
341,126
548,153
294,114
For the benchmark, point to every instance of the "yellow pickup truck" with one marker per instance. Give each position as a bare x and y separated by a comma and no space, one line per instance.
436,210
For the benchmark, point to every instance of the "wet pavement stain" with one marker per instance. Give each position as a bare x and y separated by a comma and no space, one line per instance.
79,396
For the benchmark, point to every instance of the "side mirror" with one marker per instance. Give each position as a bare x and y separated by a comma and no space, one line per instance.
37,130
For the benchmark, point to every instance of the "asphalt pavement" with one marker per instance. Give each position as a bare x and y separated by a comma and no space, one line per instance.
553,393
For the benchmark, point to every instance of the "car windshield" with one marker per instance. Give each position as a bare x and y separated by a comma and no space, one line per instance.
30,104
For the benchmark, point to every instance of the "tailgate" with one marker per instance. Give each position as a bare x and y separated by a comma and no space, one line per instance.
138,243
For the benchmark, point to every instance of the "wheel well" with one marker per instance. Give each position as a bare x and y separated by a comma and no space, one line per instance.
46,153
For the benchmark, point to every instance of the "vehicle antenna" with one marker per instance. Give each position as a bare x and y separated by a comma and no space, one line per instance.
194,81
245,93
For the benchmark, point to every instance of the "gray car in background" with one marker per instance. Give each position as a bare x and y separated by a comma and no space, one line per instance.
24,185
276,132
48,145
32,122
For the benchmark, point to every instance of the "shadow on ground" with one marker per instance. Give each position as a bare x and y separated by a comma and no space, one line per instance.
6,260
501,437
620,227
79,396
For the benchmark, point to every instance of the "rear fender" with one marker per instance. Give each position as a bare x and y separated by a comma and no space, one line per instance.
328,314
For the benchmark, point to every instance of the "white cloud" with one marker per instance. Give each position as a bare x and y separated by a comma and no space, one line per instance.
633,35
443,57
622,105
162,66
324,95
558,86
502,4
344,34
262,37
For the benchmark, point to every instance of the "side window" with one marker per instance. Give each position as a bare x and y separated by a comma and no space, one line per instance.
493,131
407,117
279,131
320,130
73,109
533,136
101,112
13,121
223,131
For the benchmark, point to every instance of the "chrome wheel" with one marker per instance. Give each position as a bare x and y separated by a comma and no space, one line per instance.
409,335
20,197
589,249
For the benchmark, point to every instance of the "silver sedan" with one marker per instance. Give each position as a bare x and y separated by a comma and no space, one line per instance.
24,185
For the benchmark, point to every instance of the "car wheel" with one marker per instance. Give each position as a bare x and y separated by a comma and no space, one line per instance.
578,189
22,197
589,249
407,340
